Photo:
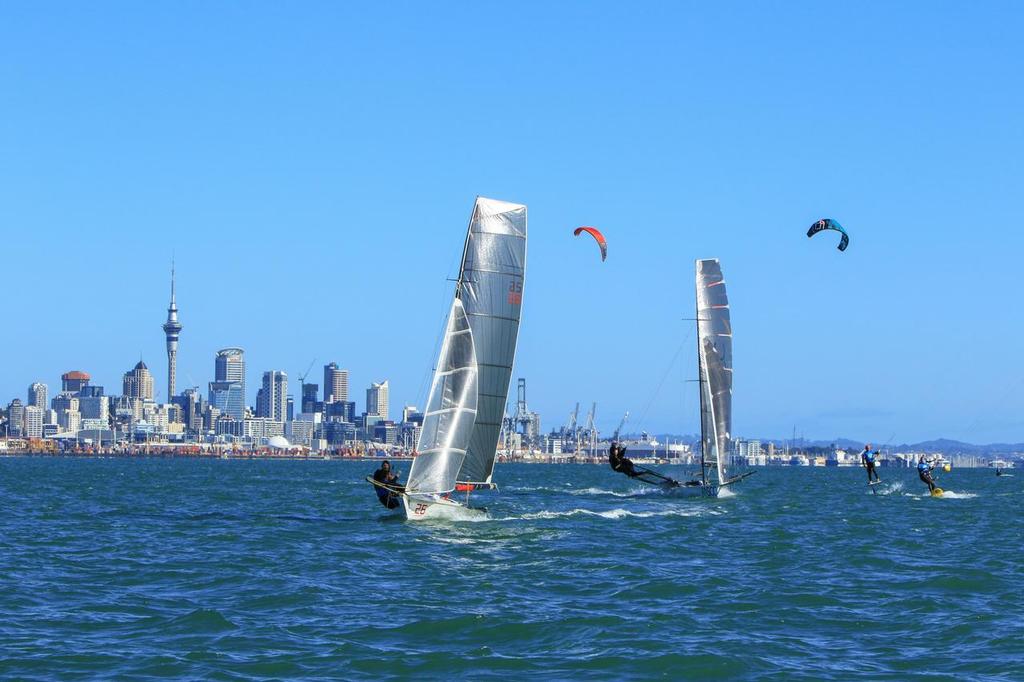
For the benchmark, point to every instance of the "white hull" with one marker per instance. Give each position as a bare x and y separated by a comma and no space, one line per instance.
431,507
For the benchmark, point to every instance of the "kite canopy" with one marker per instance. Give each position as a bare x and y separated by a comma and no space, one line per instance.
829,224
598,237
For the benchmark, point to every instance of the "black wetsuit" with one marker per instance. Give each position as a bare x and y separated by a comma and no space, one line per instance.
619,463
386,497
924,472
868,457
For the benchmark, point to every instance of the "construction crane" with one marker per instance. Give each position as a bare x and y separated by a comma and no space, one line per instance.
302,399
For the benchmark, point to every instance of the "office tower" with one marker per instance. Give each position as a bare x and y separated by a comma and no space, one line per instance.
171,330
377,400
74,381
37,395
291,408
309,392
335,383
138,383
272,399
94,407
32,421
227,391
15,418
91,392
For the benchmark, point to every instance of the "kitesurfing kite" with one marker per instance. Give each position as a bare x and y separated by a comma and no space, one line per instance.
829,224
598,237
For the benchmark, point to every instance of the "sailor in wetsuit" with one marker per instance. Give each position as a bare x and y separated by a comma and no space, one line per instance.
618,461
385,475
868,459
924,472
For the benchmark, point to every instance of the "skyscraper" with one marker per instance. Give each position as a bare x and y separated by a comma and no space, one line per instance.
73,381
32,422
171,330
37,395
377,400
335,383
138,382
272,401
309,392
15,418
227,391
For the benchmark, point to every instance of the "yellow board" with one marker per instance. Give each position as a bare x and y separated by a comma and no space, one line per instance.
937,492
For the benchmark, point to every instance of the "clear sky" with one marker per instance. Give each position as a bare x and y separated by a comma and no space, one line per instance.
313,165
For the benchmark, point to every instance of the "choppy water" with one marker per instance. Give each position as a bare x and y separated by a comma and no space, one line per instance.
286,570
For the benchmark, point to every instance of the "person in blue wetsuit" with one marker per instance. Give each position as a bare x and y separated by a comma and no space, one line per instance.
384,475
924,472
868,459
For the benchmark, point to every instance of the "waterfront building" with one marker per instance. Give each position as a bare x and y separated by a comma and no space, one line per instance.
335,383
73,381
377,400
338,433
15,418
272,398
70,421
138,382
340,410
385,432
262,427
172,328
302,429
37,395
32,422
64,401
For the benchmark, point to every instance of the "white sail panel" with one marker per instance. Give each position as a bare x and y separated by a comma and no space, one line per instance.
451,410
714,344
491,284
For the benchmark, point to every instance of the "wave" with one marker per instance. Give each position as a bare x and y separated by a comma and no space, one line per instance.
618,513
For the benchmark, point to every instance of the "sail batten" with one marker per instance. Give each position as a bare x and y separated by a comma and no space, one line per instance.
714,348
491,280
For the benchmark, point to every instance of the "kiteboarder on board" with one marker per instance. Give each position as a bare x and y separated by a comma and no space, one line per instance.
868,459
924,472
388,492
618,461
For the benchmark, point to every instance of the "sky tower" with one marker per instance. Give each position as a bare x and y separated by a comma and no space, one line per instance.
172,328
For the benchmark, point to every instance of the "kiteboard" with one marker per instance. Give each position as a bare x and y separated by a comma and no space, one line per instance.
874,482
936,492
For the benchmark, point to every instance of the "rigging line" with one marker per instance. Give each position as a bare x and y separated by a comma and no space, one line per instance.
664,376
1013,387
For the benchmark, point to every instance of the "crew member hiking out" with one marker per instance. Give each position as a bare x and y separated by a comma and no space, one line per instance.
924,472
618,462
868,459
384,475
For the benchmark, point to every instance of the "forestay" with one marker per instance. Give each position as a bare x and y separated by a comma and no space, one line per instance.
490,286
451,410
714,340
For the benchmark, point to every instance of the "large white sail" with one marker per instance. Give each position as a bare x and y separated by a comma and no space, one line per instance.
451,410
490,286
714,348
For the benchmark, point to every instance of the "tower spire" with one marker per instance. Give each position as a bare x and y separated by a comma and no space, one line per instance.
171,330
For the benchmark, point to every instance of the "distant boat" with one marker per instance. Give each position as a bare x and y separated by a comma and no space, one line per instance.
458,443
714,371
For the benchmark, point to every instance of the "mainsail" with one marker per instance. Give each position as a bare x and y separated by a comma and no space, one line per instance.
714,349
491,289
451,409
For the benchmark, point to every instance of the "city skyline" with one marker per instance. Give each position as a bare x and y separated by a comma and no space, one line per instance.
320,216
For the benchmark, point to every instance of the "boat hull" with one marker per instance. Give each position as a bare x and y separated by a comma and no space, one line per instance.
436,507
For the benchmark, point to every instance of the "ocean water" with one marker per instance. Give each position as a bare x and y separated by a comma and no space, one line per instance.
137,569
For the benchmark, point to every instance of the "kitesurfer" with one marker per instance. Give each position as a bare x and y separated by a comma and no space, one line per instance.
618,461
868,459
924,472
384,475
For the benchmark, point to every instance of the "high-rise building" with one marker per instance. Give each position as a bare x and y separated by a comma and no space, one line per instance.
309,392
171,330
377,400
32,421
291,408
37,395
138,382
227,391
94,407
73,381
272,400
15,418
335,383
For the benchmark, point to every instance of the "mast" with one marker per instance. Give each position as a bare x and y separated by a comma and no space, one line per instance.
700,383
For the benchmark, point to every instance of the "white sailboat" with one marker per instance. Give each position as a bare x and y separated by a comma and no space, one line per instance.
714,366
457,447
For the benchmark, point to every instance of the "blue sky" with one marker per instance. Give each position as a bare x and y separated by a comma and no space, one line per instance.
313,165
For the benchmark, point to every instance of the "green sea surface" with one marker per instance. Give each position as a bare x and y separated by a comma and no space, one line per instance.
236,570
